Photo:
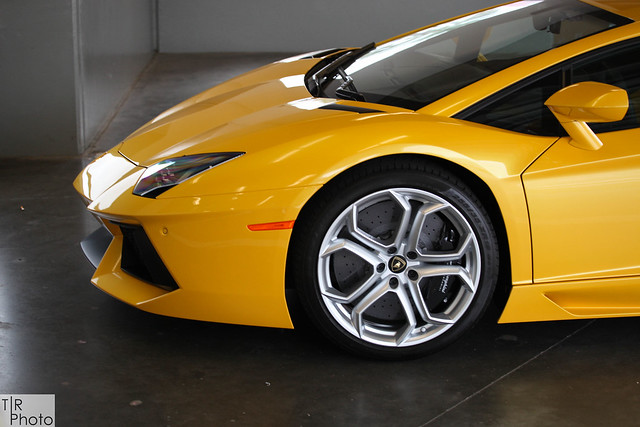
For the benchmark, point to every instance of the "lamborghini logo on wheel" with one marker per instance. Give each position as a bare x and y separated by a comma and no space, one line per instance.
397,264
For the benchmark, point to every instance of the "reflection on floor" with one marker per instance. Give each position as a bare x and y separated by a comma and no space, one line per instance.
109,364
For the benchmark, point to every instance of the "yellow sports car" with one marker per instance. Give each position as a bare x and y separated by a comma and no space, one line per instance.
393,189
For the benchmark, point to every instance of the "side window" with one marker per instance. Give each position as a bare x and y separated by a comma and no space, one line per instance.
620,67
522,109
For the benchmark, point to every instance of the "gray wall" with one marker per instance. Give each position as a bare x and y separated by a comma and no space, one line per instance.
116,41
37,89
65,65
294,25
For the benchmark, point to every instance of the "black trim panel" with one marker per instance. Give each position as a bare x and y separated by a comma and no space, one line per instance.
350,108
95,245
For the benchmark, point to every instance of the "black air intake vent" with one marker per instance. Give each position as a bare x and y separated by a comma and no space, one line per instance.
140,259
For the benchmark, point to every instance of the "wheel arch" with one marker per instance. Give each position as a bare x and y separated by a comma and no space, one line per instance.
417,161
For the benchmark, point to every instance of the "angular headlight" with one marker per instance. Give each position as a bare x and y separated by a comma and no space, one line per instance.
168,173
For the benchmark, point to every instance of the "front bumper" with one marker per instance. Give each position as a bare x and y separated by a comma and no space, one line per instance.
223,271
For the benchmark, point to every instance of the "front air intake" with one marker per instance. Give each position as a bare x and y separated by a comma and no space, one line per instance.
140,259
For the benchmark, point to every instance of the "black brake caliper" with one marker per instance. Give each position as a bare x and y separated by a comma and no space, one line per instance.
440,290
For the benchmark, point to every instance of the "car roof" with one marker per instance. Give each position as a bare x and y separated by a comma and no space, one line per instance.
627,8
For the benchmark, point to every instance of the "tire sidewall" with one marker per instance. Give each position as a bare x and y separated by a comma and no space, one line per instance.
338,197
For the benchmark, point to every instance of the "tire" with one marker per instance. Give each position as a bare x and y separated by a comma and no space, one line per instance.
395,259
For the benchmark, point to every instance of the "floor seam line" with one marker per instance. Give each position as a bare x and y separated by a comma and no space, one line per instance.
497,380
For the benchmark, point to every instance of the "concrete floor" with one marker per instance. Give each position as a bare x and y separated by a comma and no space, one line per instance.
109,364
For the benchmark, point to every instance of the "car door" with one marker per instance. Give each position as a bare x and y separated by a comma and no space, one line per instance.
584,205
584,209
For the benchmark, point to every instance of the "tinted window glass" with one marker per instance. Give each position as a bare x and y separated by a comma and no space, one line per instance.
523,110
423,66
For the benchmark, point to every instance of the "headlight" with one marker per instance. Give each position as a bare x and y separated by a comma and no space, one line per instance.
168,173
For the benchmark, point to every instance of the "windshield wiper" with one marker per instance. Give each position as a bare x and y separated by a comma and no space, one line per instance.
347,89
320,77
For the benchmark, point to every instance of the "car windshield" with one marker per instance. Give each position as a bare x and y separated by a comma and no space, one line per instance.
421,67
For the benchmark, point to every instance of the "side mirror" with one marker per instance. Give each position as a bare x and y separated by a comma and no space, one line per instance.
584,102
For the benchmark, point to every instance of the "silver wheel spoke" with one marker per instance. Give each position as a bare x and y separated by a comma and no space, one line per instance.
406,218
348,245
421,306
342,298
362,237
405,300
367,256
380,283
418,223
369,299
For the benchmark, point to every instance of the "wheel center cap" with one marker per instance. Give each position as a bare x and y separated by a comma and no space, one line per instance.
397,264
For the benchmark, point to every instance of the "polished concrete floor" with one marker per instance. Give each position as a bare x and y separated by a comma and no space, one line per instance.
111,365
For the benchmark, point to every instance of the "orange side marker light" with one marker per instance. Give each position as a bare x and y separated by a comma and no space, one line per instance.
282,225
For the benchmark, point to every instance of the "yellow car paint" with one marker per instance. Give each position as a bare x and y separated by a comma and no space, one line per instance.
203,224
584,102
584,207
182,230
573,300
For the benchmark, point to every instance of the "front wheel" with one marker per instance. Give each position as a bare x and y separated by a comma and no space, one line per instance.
395,262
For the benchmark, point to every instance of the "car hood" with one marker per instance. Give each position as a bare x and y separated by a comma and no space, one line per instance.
226,117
